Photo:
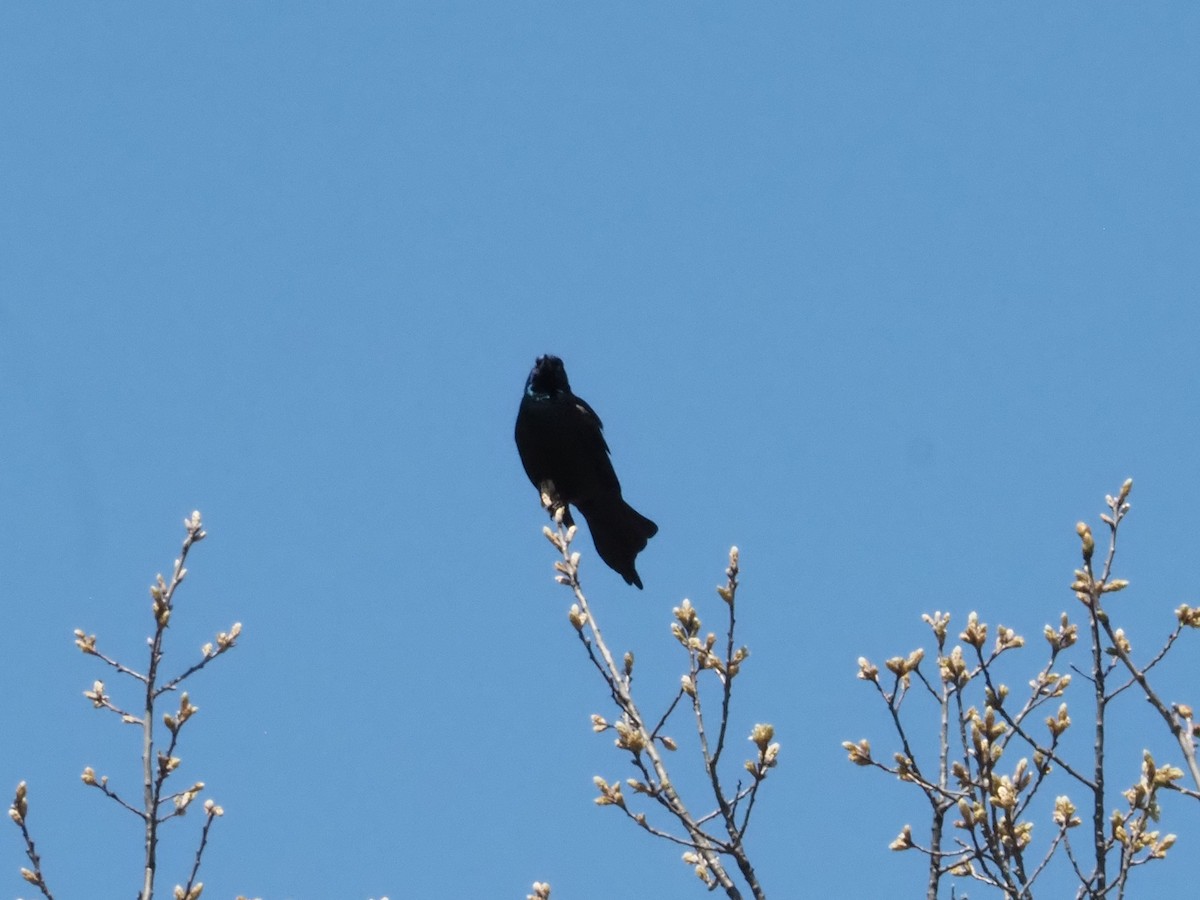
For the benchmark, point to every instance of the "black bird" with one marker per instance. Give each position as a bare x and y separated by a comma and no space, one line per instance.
564,453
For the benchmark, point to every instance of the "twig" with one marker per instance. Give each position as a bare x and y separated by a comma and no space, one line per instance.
19,813
641,742
212,811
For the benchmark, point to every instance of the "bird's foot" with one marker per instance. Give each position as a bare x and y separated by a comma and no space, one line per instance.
554,504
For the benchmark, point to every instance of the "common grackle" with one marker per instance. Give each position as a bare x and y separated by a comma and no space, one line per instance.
564,453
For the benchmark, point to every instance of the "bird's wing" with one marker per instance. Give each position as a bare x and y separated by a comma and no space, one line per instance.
588,415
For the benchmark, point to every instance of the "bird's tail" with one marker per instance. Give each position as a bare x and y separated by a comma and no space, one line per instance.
620,533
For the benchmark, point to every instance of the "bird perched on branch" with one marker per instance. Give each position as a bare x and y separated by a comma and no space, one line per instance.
563,450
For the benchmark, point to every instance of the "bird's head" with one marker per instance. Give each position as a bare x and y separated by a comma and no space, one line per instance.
547,377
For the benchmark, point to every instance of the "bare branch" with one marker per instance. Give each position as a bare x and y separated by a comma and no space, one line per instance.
705,850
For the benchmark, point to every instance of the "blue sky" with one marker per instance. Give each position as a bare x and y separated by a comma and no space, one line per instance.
887,295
